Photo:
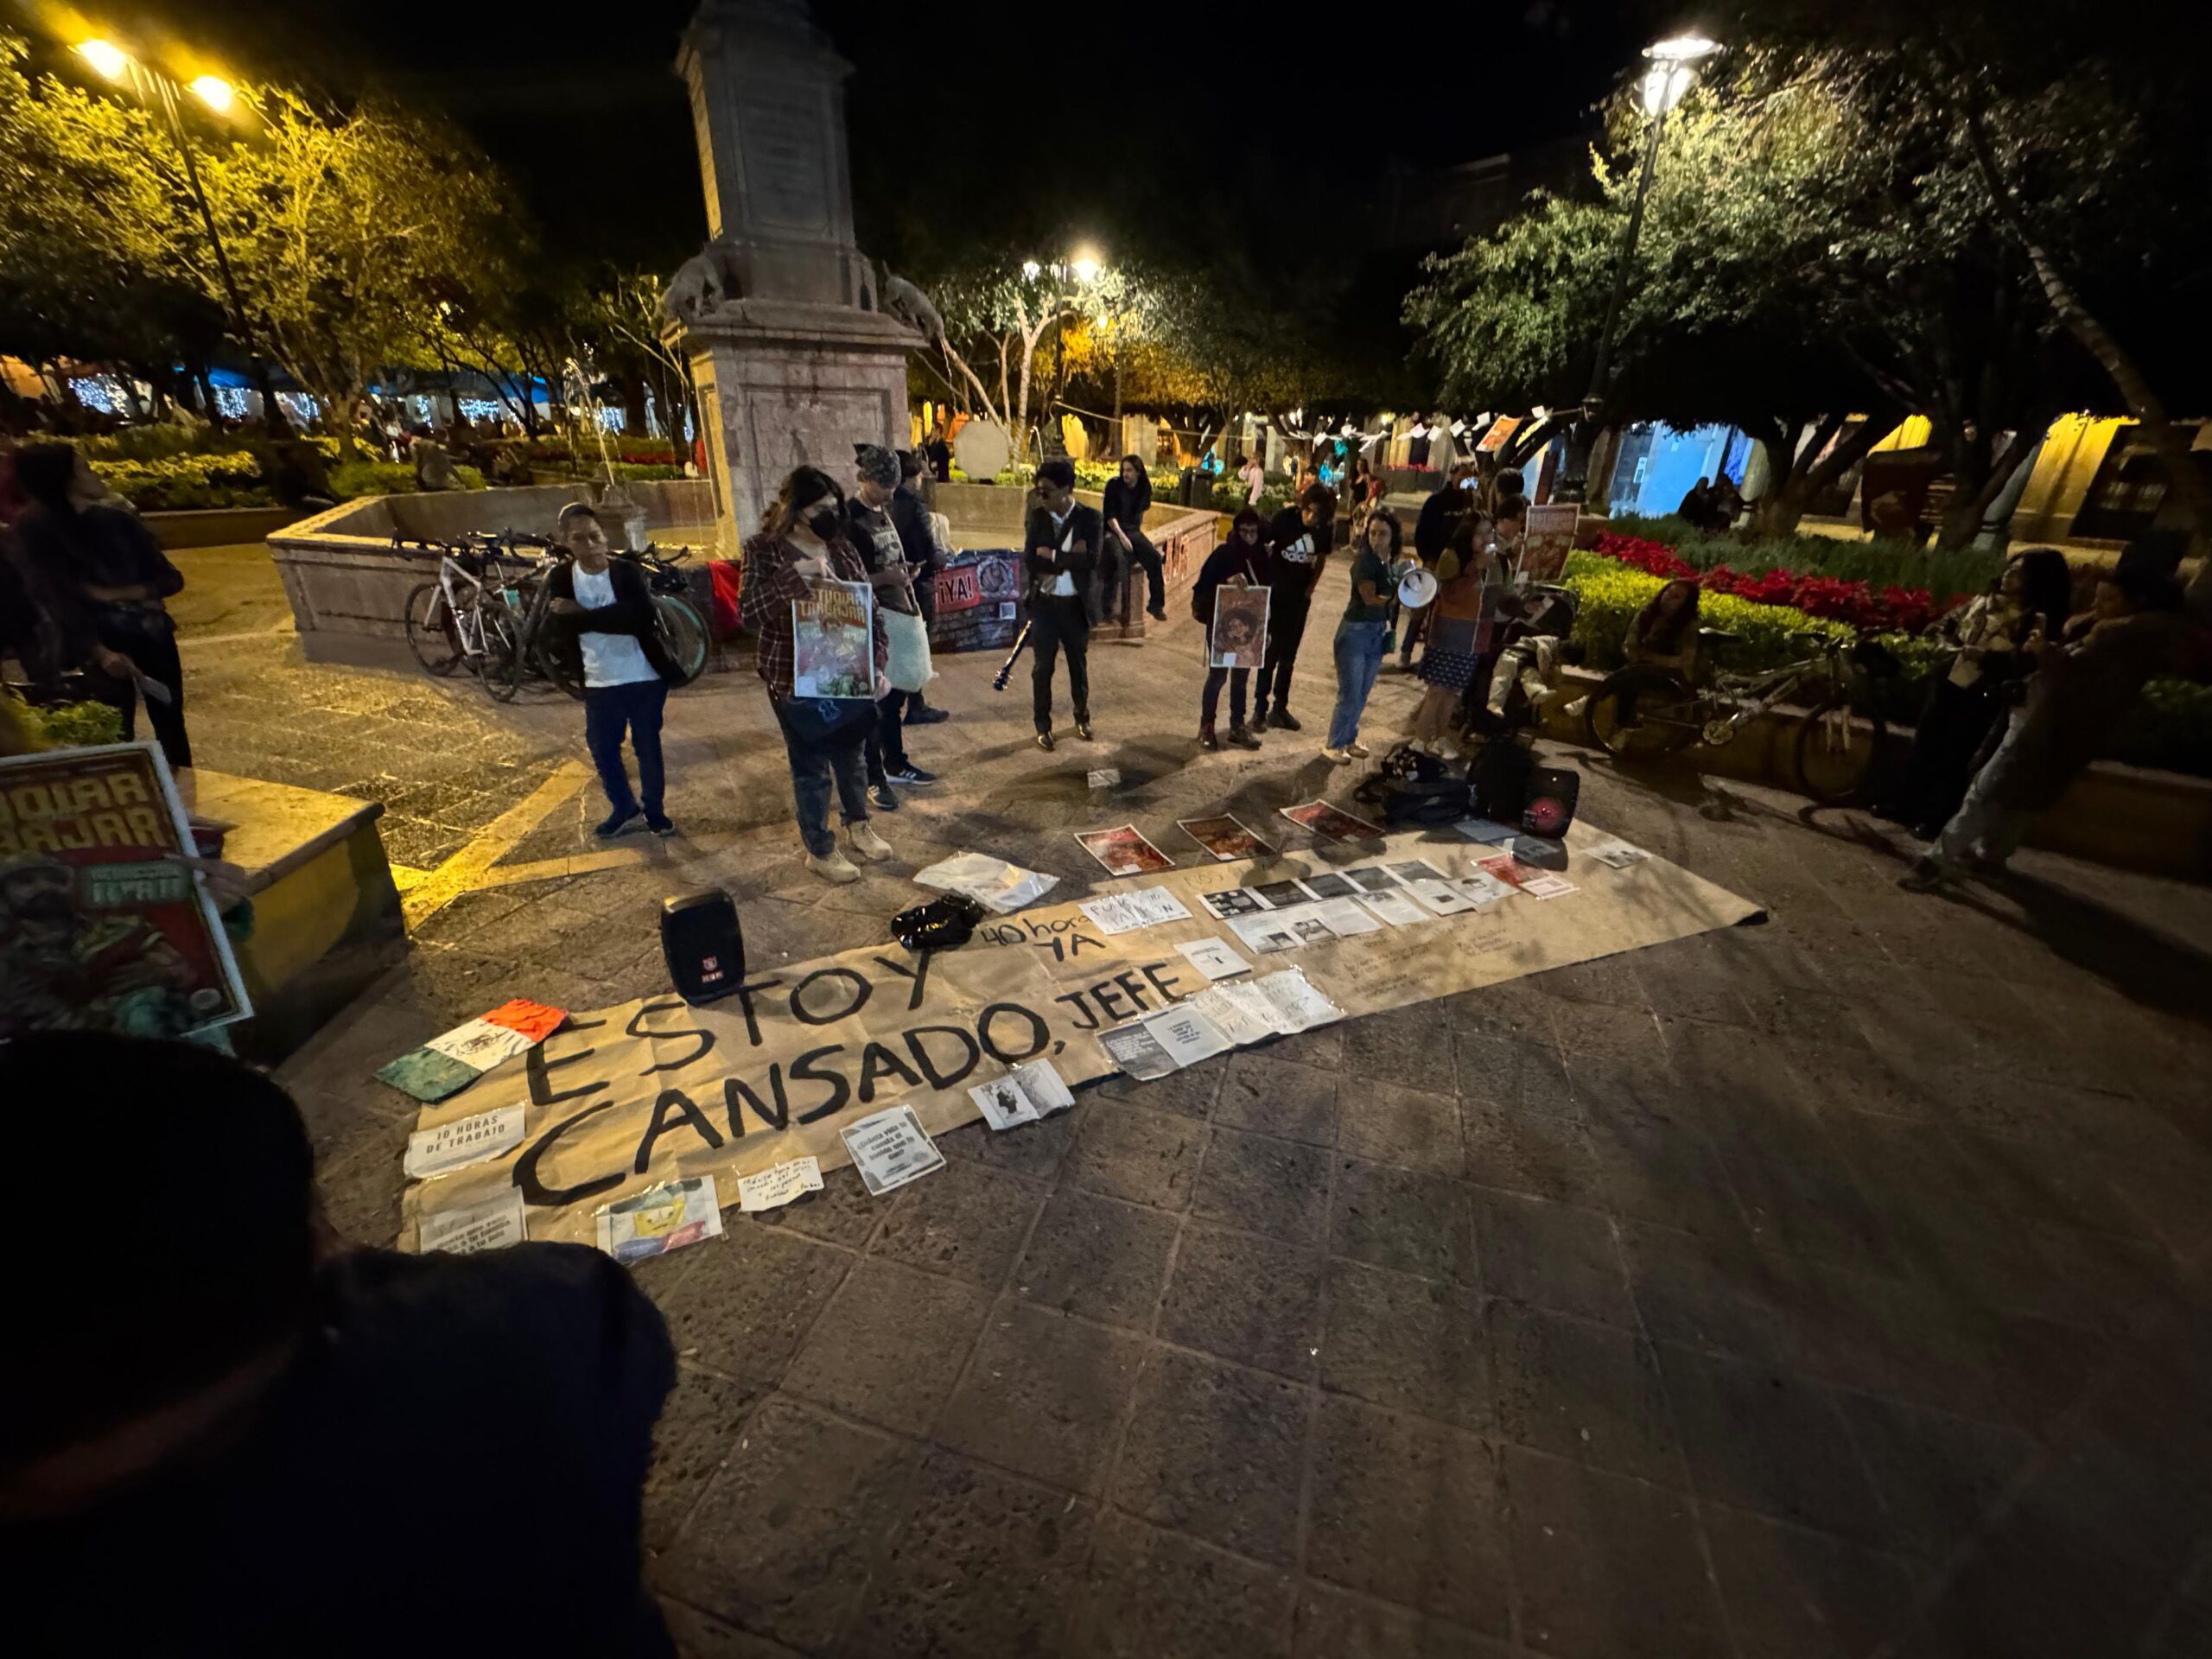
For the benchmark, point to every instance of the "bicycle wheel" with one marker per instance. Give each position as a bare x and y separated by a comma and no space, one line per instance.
1667,714
684,631
1836,744
500,667
563,667
432,633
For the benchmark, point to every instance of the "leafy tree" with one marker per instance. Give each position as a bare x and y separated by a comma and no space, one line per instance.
1815,243
346,235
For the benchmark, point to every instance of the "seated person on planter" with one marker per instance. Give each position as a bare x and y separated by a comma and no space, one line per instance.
1662,638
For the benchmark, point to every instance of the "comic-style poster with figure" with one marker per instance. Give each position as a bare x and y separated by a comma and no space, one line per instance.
101,928
833,650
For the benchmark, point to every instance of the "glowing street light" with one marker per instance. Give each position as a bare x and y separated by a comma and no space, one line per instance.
1031,270
215,92
109,59
1086,264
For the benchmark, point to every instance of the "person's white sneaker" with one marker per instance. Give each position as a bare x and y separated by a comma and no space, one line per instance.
1336,757
863,840
832,866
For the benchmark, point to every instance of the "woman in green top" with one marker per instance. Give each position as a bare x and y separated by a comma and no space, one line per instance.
1359,636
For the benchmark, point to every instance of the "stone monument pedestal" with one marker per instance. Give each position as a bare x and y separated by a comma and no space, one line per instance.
781,316
784,384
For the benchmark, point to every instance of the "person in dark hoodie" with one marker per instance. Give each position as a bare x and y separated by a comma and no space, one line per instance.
1240,562
604,604
1299,543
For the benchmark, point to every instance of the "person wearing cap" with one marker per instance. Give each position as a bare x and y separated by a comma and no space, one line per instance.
605,611
876,538
910,514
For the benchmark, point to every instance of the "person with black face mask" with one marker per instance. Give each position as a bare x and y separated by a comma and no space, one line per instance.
801,545
1063,544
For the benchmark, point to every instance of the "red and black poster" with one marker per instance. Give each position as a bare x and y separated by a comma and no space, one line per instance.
101,928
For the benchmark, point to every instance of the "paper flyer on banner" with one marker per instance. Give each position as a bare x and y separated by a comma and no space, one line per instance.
1212,957
1482,829
1546,884
1331,824
1256,1008
1510,870
1123,850
1484,888
464,1141
1295,996
1225,837
111,933
1308,923
1004,1103
1329,884
1265,934
1048,1090
1345,918
1282,895
1414,870
1441,897
991,882
492,1225
1137,1052
1239,636
1186,1034
1237,901
1396,908
1123,912
778,1184
889,1148
660,1219
1372,878
833,645
1234,1017
1614,851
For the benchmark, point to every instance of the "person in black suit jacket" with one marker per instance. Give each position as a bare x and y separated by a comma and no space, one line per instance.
1061,554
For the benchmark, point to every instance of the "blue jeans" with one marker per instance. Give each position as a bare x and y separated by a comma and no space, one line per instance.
609,710
816,769
1359,659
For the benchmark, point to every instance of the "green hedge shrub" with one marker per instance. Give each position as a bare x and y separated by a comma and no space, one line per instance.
77,725
174,483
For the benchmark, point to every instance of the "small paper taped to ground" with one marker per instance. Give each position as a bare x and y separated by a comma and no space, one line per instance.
654,1090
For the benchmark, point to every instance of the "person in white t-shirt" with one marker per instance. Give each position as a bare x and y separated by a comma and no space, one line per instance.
605,602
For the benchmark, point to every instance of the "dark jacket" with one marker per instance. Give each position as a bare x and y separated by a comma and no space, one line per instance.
65,553
632,612
909,515
2075,699
1231,559
1081,559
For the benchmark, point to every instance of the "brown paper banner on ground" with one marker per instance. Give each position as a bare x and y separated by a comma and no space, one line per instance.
654,1090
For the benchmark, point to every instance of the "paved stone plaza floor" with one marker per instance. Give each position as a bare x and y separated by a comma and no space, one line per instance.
1836,1285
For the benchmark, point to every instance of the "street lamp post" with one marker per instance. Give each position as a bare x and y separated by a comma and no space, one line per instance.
1663,85
154,87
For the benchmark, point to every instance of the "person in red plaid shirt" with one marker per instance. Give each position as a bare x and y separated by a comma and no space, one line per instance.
802,546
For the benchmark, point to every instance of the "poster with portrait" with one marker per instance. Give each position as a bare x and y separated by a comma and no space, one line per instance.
833,650
101,928
1549,539
1240,628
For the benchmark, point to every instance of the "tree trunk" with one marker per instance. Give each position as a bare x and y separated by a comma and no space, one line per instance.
1962,520
1806,474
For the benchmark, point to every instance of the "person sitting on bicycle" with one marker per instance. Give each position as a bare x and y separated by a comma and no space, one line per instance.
1662,637
607,609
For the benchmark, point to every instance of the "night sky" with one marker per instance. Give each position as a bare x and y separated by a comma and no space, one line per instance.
1015,125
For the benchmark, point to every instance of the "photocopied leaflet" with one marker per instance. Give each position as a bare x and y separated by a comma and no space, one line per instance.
1213,958
889,1148
778,1184
1122,913
486,1226
464,1141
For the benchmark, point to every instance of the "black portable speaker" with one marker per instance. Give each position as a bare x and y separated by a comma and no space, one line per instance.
705,948
1548,807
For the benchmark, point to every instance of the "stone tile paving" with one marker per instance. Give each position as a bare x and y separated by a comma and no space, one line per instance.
1830,1286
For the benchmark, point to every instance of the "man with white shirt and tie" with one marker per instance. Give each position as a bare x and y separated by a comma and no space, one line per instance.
1062,550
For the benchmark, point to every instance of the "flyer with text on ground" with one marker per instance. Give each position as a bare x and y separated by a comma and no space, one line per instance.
832,647
100,928
1225,838
1123,850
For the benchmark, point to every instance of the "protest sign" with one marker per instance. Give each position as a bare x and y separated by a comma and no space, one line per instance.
101,929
